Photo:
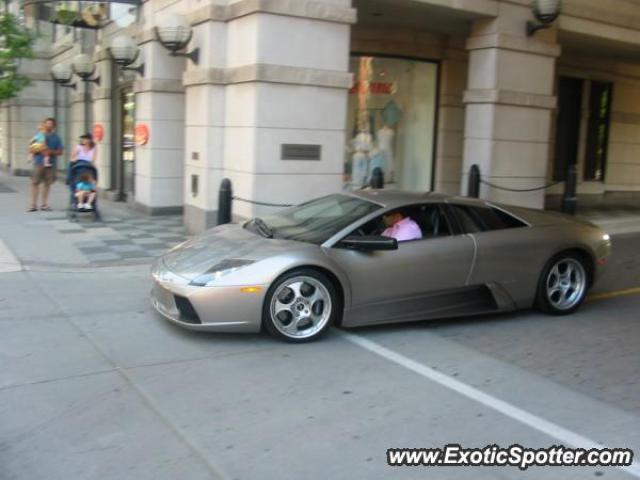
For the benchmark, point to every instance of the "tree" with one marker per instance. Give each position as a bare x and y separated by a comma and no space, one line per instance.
16,42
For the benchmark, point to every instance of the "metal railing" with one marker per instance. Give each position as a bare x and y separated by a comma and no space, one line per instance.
226,197
569,199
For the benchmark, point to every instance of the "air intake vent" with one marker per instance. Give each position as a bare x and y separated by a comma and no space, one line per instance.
187,312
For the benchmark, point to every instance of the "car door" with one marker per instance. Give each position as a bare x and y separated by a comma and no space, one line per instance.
510,256
421,279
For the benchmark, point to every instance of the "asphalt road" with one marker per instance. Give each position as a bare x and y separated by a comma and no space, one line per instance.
94,385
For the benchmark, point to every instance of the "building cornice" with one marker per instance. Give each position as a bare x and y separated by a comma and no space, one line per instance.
101,93
513,42
28,102
160,85
270,74
60,48
291,8
145,36
611,16
509,97
628,118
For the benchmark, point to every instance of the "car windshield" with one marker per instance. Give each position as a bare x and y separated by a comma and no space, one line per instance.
315,221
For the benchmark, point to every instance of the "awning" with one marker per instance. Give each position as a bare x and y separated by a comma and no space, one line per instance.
75,13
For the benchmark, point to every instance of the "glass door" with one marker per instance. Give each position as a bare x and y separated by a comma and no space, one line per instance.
128,155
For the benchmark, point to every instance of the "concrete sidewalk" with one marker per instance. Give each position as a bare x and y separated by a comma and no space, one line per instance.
50,239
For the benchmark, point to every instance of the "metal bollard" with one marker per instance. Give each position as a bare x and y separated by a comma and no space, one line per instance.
569,200
377,178
225,199
473,187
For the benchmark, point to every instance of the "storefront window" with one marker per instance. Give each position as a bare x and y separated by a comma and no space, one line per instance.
390,122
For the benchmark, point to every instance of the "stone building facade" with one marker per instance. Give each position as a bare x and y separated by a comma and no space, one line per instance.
292,99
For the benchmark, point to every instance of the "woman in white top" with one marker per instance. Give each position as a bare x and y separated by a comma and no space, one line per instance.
85,150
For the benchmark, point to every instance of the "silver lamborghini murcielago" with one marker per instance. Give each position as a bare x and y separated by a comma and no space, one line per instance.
325,262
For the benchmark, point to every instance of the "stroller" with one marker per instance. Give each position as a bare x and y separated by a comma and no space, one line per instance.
73,176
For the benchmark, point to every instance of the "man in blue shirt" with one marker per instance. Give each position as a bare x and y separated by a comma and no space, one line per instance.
45,173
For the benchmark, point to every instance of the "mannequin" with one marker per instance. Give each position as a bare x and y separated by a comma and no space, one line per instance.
377,159
385,138
361,145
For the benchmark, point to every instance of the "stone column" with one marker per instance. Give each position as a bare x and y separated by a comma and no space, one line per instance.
508,106
277,74
101,96
205,117
159,167
453,79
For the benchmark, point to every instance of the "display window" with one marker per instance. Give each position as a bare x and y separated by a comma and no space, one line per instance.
391,123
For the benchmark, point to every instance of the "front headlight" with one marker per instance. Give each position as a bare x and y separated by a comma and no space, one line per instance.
220,269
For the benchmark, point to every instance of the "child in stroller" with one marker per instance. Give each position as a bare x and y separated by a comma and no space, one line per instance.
82,185
85,192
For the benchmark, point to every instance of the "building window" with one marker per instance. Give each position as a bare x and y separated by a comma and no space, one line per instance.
391,122
569,124
598,131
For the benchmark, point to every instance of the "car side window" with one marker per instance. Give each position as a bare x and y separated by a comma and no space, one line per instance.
431,220
482,219
429,217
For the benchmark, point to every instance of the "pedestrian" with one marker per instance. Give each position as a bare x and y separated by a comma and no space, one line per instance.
39,145
85,191
45,171
85,150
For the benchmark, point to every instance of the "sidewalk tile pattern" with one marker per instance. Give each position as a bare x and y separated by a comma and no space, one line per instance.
116,239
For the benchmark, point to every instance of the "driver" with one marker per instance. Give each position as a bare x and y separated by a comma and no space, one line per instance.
400,227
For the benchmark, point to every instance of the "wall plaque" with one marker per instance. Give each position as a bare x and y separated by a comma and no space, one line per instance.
296,151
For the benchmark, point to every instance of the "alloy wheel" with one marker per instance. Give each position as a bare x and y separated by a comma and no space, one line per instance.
300,307
566,283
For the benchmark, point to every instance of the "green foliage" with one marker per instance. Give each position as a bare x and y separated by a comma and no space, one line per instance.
16,42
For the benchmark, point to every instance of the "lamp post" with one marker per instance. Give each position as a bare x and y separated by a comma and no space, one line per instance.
174,33
84,67
61,74
545,11
124,52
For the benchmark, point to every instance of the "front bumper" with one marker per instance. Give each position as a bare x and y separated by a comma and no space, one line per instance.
212,309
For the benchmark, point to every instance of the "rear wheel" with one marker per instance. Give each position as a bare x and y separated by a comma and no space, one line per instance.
563,284
300,306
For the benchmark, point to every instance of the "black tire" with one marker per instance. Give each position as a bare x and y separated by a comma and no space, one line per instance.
276,328
547,303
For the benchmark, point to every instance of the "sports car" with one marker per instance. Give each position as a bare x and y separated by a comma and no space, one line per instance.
326,262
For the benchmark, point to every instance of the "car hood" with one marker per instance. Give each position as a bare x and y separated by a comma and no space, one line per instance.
225,242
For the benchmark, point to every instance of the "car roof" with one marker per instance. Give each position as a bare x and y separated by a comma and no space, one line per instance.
398,198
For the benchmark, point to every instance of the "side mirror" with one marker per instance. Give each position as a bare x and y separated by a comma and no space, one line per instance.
370,243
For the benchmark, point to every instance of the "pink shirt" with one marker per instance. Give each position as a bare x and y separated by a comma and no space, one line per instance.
405,229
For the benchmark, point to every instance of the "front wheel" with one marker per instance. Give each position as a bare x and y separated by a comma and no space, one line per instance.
563,285
300,306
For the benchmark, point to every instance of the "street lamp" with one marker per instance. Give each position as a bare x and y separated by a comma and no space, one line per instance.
174,33
84,67
61,74
545,11
124,52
